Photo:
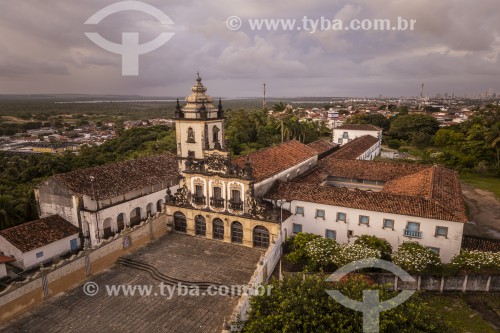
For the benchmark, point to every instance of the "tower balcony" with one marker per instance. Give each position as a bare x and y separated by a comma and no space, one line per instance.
217,202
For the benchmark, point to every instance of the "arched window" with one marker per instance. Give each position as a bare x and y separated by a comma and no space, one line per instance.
135,216
159,206
149,210
106,228
236,232
120,221
218,229
260,237
180,222
190,137
216,131
200,226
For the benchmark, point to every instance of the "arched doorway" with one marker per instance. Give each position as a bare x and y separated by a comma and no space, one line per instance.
120,222
200,226
180,223
159,206
106,228
135,216
260,237
218,229
236,233
149,210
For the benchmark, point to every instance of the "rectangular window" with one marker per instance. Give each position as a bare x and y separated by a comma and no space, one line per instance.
297,228
434,249
364,219
299,210
341,217
345,135
199,191
442,231
39,254
330,234
413,230
320,213
388,223
236,196
217,193
340,141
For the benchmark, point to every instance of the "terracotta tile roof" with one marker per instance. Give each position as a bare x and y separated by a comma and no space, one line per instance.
436,183
359,127
115,179
268,162
369,170
314,176
5,259
355,148
35,234
365,200
323,146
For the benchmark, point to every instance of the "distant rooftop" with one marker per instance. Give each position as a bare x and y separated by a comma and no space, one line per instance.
355,148
35,234
359,127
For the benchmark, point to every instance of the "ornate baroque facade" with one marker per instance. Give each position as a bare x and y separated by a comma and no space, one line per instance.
216,198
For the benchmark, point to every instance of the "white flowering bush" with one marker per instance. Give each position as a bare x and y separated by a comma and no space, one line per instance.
476,261
415,258
320,252
347,253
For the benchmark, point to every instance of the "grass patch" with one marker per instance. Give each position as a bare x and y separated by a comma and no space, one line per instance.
491,184
457,314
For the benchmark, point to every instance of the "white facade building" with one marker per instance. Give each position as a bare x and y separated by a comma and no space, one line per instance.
348,132
104,200
37,242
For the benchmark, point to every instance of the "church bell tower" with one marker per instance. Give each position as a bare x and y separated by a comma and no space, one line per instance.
199,126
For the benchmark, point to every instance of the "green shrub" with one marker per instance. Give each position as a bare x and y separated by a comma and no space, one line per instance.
475,261
377,244
415,258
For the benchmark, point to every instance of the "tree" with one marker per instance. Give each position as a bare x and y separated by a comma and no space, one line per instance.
376,119
299,304
394,144
404,127
298,243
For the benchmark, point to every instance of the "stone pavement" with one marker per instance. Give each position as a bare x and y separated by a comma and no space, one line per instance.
179,256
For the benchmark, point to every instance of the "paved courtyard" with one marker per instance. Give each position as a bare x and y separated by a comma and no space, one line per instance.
177,256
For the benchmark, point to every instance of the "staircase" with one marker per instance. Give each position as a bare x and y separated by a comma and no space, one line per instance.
155,274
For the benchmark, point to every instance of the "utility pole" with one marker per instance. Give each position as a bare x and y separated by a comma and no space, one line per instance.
264,103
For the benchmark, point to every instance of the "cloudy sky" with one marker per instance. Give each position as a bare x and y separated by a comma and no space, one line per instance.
454,48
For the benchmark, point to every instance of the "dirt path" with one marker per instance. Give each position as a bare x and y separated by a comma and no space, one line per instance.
484,212
479,305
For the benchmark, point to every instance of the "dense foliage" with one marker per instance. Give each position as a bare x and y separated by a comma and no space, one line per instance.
376,243
248,131
301,304
415,258
476,261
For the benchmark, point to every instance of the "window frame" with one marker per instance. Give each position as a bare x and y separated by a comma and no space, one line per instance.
296,225
386,227
441,235
363,223
345,217
39,254
316,216
297,208
334,234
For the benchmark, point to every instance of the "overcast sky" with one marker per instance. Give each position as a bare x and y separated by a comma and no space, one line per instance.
454,48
